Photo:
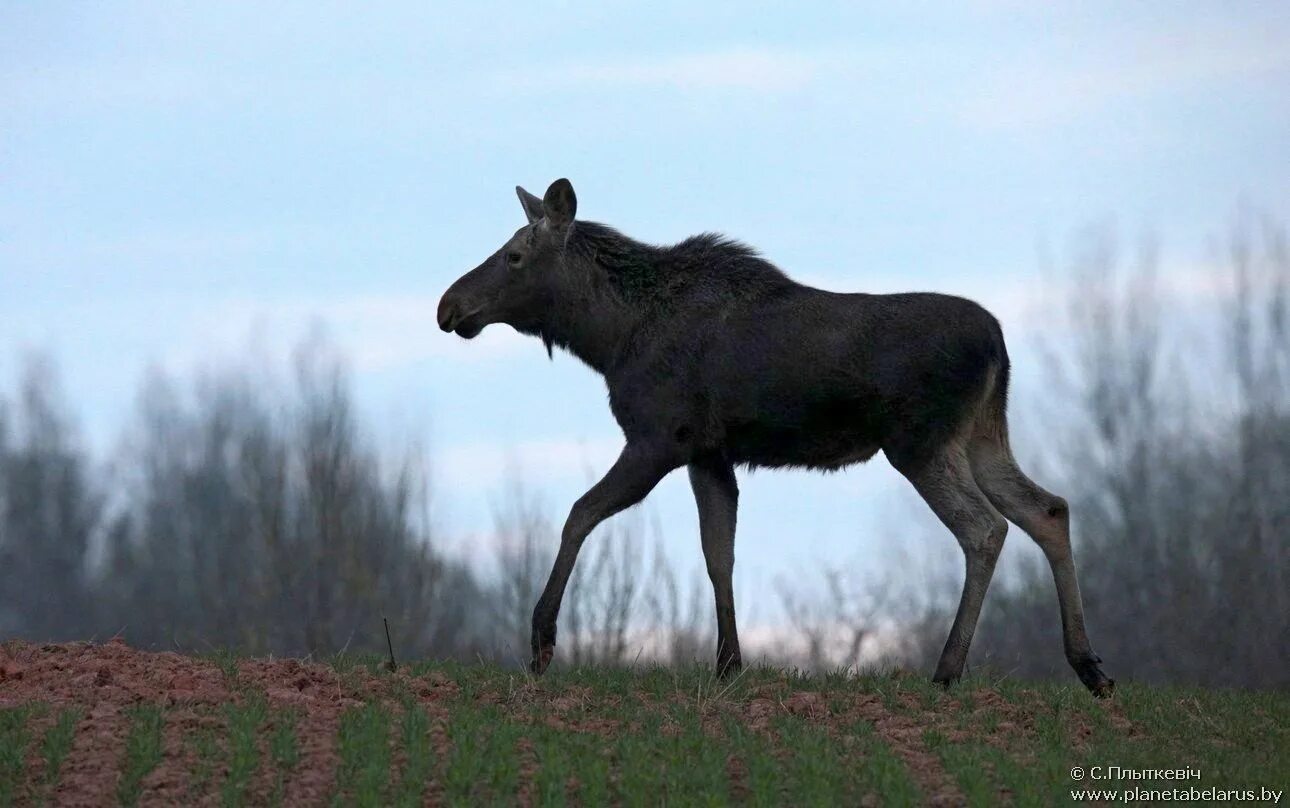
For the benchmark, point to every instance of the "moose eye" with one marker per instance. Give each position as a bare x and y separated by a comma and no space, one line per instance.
513,258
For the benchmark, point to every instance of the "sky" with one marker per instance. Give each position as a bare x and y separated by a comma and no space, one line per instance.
188,185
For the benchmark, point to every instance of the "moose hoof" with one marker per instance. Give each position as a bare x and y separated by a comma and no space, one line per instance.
729,668
541,660
946,675
1097,682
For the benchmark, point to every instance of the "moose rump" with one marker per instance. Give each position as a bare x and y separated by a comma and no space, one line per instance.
823,380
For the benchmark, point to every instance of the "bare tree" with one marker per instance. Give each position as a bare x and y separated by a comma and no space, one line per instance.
605,598
604,593
524,538
271,524
679,614
49,512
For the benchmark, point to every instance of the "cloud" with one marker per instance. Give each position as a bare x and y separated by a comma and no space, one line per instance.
381,333
1033,302
384,331
487,466
746,69
126,84
1060,84
376,332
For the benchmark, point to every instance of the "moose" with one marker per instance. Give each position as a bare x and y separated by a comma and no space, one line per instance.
714,358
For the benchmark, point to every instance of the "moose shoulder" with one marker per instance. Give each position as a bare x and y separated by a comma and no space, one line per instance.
714,358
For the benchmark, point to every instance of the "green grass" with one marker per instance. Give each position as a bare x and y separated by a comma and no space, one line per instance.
245,721
756,760
142,751
483,766
226,661
414,729
672,762
1039,732
881,770
569,764
993,739
14,739
57,743
464,734
364,741
284,750
205,745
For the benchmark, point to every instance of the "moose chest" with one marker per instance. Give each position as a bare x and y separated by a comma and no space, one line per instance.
659,400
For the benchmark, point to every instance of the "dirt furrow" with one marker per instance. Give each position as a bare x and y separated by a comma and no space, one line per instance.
33,781
93,766
904,736
171,782
314,777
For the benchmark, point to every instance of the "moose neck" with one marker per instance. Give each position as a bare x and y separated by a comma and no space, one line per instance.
590,316
587,327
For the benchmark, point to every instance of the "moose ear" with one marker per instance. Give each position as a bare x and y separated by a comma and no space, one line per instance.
532,205
560,204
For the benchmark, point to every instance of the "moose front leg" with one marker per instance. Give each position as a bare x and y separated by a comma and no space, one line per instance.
717,494
635,473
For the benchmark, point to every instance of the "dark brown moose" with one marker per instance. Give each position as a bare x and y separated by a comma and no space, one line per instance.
714,359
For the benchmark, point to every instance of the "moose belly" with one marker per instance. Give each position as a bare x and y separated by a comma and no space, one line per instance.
829,436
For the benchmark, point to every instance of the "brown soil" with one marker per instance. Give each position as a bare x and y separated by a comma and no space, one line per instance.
905,737
90,772
106,680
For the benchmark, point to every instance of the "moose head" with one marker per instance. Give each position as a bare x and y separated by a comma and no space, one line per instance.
515,285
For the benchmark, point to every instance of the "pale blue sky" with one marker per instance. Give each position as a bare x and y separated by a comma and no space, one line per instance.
186,184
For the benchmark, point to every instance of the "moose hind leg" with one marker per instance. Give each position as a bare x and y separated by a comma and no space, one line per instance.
1046,518
717,495
945,482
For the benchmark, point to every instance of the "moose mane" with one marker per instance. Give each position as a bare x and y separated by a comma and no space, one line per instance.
646,274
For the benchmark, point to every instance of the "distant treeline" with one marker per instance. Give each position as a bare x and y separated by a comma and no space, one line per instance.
1177,466
250,513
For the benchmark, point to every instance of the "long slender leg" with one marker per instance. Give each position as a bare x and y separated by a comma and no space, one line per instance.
717,495
945,483
1046,518
635,473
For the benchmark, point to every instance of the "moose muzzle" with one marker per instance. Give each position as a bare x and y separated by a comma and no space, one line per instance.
456,314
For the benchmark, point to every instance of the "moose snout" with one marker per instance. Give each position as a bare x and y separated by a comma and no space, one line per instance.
462,315
449,311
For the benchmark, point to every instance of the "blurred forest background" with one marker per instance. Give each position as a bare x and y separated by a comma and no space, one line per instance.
256,511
